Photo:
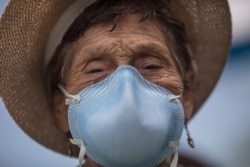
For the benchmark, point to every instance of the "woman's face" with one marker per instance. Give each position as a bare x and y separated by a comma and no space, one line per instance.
142,45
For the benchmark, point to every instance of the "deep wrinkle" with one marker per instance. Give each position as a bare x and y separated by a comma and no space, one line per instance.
103,52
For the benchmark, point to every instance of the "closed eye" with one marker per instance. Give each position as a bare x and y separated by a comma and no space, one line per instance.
152,67
95,70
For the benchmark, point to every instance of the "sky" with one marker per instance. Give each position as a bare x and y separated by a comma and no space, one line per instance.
221,129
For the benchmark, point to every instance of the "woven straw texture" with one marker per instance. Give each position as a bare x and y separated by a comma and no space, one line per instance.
26,25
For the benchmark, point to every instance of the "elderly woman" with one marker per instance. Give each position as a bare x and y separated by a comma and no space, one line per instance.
120,79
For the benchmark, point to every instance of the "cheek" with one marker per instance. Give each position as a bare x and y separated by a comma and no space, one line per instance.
170,80
60,112
77,82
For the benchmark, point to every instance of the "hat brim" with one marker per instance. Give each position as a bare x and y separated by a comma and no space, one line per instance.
24,30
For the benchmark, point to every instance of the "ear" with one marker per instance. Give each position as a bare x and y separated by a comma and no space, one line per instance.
188,105
188,93
60,111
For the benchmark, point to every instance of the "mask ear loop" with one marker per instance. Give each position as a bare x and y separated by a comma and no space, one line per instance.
174,145
82,152
71,99
173,97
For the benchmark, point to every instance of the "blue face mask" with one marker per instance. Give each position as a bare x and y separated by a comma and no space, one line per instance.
125,120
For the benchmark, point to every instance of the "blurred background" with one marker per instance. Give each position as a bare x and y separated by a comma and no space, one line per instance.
221,129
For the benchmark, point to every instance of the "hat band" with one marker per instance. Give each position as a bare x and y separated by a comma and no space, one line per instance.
62,26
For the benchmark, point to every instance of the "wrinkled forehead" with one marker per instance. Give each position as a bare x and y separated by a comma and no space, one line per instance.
128,24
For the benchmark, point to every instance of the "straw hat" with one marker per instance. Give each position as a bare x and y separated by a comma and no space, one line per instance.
25,27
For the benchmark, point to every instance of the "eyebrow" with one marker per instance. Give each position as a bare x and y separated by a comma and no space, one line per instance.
151,47
156,49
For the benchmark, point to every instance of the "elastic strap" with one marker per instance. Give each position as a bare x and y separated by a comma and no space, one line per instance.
173,97
175,145
71,99
82,152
